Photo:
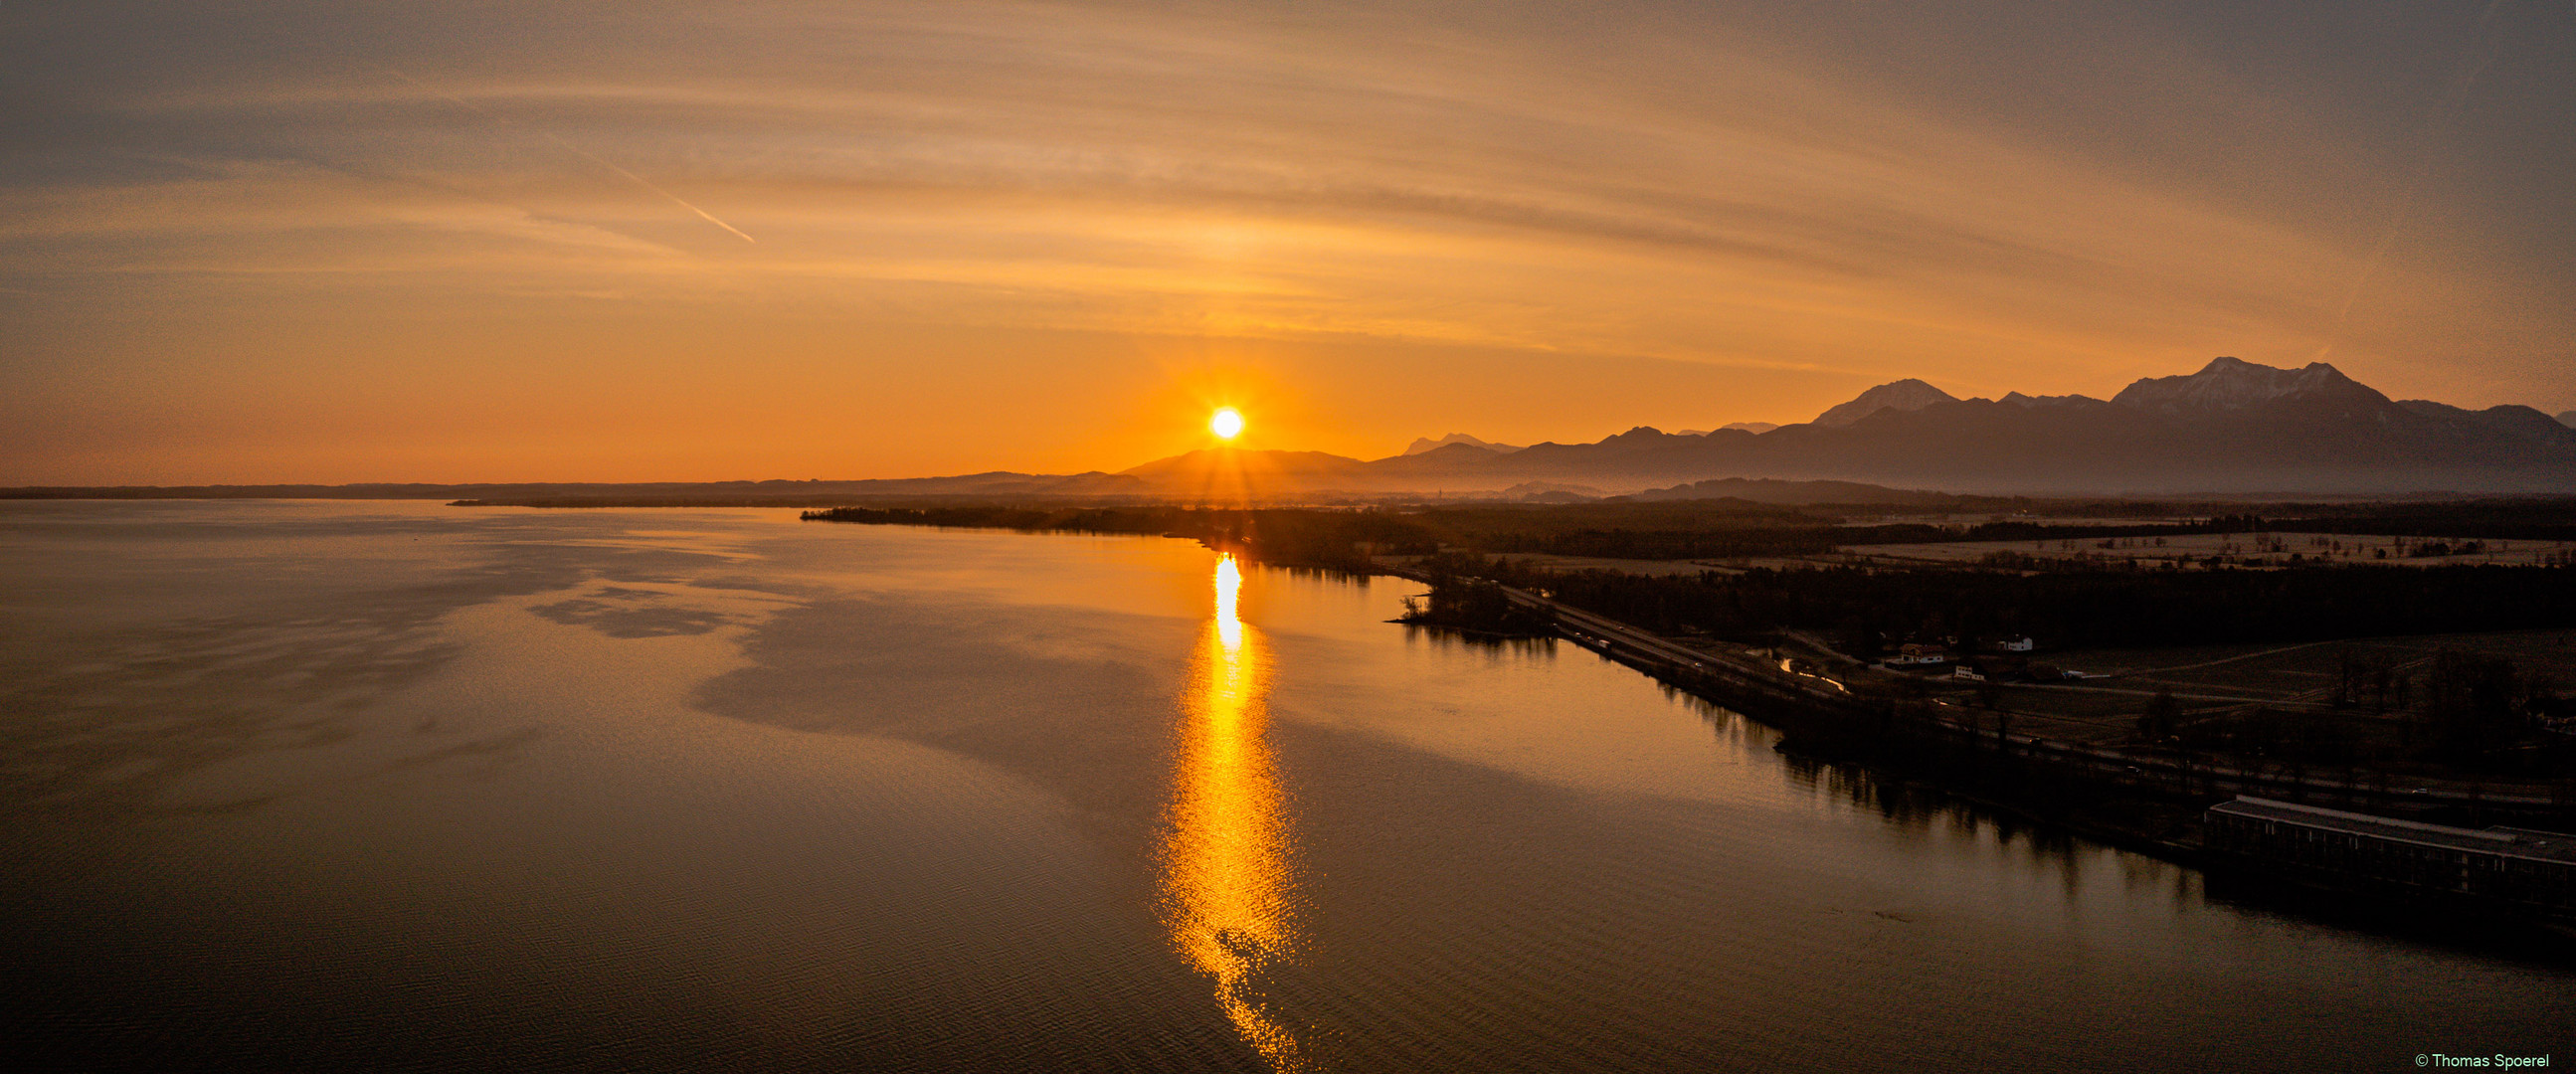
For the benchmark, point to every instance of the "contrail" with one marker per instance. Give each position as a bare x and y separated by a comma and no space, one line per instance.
640,181
2484,55
575,150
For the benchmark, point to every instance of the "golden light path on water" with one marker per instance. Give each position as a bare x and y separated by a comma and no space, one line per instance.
1227,889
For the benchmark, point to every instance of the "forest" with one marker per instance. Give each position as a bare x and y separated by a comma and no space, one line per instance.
2072,604
1865,610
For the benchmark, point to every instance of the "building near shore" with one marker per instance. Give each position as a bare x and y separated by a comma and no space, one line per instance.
2521,868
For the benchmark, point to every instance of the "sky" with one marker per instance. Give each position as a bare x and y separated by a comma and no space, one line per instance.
640,240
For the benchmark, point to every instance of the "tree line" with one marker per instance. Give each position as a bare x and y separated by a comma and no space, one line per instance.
1865,610
2072,605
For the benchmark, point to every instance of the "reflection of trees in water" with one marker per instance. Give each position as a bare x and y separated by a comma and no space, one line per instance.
1730,726
1497,648
1916,806
1912,806
1919,809
1353,579
1924,810
2503,937
2181,887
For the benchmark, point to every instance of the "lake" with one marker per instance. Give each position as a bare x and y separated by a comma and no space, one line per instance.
395,785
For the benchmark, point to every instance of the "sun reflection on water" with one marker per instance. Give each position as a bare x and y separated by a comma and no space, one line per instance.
1227,888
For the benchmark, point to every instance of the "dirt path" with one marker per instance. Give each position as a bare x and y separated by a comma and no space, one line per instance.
2222,660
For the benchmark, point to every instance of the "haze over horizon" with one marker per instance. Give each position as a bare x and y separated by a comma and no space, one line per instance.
370,242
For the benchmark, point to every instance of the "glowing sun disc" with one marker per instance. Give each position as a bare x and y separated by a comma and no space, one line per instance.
1227,423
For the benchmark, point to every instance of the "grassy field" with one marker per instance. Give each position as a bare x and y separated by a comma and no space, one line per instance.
2214,681
2308,672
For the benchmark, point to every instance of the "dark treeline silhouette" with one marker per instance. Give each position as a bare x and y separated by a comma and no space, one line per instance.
2071,604
2529,519
1691,529
1770,537
1332,540
1697,529
1475,604
1732,528
2074,608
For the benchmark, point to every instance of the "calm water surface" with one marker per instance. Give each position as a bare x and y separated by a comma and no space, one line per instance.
397,785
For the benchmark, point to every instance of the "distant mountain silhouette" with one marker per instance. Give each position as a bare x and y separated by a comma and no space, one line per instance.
1757,428
1545,492
1908,394
2229,384
1775,491
1424,444
1209,466
2521,421
2232,427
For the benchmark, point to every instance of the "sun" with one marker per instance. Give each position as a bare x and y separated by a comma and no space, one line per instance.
1226,423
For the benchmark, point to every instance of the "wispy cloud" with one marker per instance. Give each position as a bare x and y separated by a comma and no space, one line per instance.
1629,180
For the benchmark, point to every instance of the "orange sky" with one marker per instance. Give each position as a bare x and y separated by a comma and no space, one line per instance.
352,242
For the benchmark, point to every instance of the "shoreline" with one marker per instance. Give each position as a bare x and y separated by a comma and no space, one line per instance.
2138,803
2029,780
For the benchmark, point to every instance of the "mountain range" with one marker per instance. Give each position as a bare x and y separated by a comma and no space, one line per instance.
2234,427
1424,444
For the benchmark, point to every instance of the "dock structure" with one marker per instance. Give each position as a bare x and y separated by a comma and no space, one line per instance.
2520,867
